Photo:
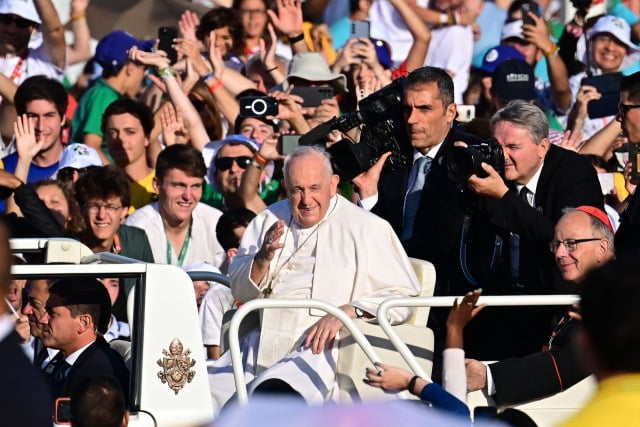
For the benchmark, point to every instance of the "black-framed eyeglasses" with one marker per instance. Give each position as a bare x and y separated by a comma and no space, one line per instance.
94,208
224,163
570,244
19,21
624,109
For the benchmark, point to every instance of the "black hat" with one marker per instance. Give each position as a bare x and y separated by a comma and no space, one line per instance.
82,290
513,79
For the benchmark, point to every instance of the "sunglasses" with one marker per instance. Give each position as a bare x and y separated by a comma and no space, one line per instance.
19,21
224,163
623,109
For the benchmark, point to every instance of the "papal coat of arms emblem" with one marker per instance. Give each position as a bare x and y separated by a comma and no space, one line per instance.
176,366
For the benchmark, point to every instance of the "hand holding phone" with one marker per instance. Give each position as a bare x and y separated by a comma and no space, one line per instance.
166,35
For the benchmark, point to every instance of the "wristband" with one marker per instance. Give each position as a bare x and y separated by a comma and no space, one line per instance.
166,72
296,39
272,69
213,84
412,383
78,16
260,160
552,52
443,18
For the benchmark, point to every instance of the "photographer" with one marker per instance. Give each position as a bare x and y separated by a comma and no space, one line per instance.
419,200
522,207
609,50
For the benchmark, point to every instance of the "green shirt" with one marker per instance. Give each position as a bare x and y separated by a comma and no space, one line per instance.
88,115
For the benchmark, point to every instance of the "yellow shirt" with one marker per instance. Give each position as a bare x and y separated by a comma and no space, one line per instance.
142,192
617,403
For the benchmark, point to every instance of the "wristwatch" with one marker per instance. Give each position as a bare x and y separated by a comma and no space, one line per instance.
359,313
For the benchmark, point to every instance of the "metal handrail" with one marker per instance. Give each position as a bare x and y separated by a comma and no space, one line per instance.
246,308
506,300
209,276
109,258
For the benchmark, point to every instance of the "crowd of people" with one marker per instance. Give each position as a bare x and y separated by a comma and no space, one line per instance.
274,142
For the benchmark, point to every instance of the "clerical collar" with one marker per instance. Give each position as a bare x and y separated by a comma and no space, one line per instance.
532,185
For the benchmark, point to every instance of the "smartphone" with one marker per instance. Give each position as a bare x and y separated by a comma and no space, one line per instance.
258,106
466,113
525,9
609,87
290,143
166,35
312,96
63,411
360,29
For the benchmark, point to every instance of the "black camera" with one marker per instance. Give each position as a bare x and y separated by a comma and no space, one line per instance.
466,161
258,106
383,130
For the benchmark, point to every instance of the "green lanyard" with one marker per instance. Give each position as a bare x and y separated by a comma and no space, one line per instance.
183,251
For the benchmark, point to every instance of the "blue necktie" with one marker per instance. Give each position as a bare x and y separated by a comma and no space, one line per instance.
414,194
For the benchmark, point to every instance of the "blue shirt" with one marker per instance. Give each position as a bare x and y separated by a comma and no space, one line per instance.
36,173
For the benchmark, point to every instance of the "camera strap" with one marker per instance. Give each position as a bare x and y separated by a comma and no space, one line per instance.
497,249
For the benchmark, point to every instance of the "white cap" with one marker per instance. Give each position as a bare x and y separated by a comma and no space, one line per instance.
511,29
619,29
22,8
79,156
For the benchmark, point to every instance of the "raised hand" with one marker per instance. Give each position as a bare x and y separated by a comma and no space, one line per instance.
173,129
188,24
288,20
27,144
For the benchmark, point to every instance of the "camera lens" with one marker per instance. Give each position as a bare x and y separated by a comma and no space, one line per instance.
259,107
461,164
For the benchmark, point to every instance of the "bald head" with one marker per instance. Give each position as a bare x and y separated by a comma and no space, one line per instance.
587,243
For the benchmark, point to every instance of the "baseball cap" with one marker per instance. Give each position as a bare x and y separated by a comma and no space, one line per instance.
312,67
23,8
383,51
79,156
511,30
111,51
513,79
76,291
497,55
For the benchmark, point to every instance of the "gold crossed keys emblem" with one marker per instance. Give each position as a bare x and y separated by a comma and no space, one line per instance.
176,366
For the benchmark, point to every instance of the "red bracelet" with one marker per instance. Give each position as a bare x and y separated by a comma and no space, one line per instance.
214,84
261,160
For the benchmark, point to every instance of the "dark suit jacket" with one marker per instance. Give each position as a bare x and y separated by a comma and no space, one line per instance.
540,374
566,180
440,214
26,401
628,235
97,360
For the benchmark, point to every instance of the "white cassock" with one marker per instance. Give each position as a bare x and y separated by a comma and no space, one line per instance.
351,256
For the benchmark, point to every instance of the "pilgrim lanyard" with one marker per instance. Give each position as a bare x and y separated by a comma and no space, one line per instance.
183,251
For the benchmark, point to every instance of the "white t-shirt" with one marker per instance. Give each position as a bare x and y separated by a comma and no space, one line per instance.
36,63
215,303
203,245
